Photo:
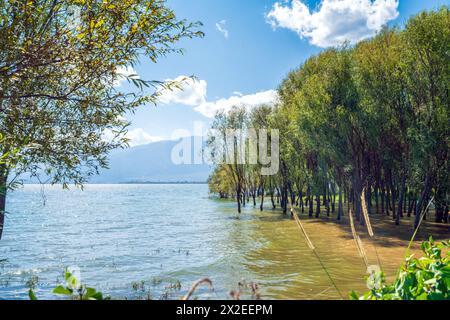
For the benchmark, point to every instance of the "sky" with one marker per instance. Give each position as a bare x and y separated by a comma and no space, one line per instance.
248,48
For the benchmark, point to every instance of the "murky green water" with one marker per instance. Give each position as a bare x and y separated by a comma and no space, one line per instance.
120,234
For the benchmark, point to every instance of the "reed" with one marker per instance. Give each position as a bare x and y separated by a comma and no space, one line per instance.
413,237
302,229
366,214
357,239
195,287
369,225
313,249
408,250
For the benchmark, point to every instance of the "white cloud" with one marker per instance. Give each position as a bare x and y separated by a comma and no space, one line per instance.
209,109
139,137
136,137
123,73
335,21
194,95
220,26
191,93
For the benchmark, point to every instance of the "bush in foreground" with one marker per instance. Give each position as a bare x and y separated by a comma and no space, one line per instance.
426,278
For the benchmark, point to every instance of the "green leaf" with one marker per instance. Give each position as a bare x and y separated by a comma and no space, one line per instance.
353,296
97,296
62,290
31,295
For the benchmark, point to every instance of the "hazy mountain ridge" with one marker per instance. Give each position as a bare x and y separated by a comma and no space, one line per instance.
150,163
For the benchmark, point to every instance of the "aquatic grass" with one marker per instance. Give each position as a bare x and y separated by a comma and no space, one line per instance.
242,287
366,214
408,250
313,249
413,237
302,229
195,287
357,239
369,225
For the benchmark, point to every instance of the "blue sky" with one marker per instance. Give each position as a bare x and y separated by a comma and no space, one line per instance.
249,47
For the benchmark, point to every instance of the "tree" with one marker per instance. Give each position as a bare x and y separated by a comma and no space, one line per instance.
428,81
60,61
228,145
371,119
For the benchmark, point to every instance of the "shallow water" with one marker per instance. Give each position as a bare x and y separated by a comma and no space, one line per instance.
162,234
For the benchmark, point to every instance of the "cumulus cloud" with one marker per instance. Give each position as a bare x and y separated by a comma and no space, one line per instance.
123,73
209,109
139,137
335,21
193,93
220,26
136,137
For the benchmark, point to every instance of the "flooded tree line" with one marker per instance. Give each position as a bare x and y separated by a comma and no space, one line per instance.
370,119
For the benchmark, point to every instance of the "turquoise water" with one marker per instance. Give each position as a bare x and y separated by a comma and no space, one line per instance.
166,235
120,234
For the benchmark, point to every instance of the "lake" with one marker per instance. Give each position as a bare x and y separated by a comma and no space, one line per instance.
166,235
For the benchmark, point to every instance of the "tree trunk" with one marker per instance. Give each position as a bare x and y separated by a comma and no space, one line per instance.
238,198
377,206
420,204
272,199
388,201
340,206
310,203
302,205
400,201
440,205
446,214
412,200
369,199
261,207
3,180
393,198
317,205
383,197
357,193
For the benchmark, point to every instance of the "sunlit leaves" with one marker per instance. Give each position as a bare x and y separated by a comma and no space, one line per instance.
59,65
425,278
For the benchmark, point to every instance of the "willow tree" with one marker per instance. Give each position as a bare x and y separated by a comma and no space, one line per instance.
60,61
227,148
381,74
428,83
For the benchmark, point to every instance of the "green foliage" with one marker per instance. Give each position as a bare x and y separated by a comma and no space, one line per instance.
426,278
72,289
75,290
61,107
371,117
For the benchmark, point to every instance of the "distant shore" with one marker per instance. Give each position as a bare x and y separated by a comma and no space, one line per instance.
136,182
163,182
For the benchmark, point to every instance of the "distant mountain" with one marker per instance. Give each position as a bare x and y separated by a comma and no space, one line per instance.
150,163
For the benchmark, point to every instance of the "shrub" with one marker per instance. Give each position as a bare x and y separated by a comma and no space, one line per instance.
426,278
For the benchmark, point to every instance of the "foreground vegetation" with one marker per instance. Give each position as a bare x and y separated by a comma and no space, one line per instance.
426,278
366,120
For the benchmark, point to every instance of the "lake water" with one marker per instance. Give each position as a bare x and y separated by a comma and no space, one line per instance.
161,234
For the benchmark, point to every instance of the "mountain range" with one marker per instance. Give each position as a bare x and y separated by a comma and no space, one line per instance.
151,163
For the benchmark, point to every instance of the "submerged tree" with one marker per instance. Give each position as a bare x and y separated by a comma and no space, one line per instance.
369,123
60,62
